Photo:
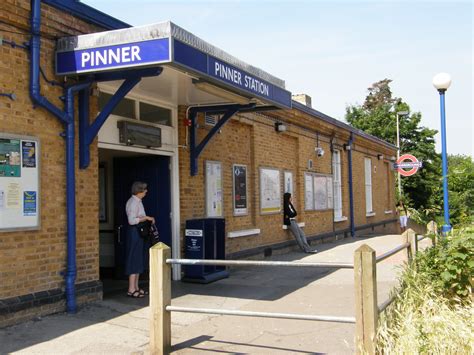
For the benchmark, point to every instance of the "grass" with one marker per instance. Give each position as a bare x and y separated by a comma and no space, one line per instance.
424,317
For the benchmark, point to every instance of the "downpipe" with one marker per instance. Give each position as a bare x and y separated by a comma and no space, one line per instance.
351,191
67,118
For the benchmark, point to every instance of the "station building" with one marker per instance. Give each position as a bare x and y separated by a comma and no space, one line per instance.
89,104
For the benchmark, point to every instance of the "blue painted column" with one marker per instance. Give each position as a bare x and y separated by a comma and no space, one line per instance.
447,226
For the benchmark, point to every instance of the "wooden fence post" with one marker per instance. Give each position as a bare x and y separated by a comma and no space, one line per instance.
160,297
367,312
413,240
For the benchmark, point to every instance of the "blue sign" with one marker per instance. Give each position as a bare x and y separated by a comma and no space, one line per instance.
111,57
29,203
229,74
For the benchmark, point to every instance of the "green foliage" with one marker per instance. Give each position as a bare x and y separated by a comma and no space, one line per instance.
433,307
378,116
450,265
423,191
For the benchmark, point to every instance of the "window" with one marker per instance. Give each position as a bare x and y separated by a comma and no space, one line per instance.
155,114
336,171
368,186
144,112
125,108
318,192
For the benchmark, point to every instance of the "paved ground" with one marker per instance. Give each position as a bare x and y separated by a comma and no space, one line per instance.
120,325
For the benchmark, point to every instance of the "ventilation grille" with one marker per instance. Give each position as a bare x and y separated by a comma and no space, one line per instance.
210,120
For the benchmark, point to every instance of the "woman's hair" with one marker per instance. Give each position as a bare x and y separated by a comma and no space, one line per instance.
138,187
286,198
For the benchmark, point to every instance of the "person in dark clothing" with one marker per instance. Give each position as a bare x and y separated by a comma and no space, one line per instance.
289,214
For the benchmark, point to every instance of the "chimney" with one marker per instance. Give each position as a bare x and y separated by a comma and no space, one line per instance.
302,99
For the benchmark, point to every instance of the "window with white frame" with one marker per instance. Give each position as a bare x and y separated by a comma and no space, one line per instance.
318,192
368,185
337,185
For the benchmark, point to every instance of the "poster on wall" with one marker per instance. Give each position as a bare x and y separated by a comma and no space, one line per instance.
288,182
308,195
214,203
320,193
270,196
239,173
19,182
10,158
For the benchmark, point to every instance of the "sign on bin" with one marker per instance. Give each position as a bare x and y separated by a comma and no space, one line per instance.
194,241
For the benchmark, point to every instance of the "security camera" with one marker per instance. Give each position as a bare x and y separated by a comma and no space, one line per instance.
319,151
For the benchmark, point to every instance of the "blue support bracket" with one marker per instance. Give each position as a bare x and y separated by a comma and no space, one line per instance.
227,110
87,132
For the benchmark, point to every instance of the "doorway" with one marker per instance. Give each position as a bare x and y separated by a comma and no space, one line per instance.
119,169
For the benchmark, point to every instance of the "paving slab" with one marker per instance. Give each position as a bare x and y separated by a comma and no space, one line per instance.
120,325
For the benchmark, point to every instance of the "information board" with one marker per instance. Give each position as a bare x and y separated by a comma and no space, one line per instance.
19,182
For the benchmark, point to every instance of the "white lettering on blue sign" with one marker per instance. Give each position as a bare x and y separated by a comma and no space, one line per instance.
110,56
233,75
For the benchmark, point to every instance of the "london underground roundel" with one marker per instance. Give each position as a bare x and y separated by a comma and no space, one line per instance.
408,161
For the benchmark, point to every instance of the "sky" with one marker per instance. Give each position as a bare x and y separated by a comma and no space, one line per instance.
334,50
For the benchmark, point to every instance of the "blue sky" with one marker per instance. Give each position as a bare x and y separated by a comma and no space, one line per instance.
334,50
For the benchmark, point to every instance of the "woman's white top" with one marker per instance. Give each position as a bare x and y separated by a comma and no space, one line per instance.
135,210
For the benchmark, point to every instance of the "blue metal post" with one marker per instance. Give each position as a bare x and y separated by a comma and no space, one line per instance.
447,226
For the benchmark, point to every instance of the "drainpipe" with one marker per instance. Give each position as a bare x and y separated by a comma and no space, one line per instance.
351,192
67,118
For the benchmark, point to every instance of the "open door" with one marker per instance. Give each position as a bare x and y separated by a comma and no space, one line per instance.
155,171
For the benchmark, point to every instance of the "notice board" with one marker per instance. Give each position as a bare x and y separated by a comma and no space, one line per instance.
19,182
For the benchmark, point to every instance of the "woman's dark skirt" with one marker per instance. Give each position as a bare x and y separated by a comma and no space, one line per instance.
134,252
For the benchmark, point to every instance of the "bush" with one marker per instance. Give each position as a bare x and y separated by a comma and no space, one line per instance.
433,307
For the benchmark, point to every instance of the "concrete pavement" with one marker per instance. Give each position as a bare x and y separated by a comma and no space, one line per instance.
120,325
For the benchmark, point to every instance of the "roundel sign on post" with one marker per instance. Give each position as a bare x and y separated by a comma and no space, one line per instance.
407,161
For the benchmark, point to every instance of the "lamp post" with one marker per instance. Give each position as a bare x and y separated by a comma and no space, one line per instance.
441,82
400,113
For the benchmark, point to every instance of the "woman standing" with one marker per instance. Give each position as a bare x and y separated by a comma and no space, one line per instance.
403,214
134,259
290,220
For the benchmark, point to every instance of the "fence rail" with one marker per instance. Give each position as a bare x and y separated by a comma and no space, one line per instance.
257,263
365,286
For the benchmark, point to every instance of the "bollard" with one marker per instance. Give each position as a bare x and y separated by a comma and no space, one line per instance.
160,297
365,285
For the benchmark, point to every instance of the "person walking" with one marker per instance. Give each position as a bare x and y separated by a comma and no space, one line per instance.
403,215
289,214
134,246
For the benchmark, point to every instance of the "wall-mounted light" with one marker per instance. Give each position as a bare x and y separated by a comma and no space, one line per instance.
11,95
380,156
280,127
347,146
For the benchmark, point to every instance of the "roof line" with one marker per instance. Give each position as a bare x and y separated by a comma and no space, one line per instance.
299,106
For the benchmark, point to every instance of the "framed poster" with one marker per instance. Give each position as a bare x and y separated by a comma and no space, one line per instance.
102,193
308,192
239,178
288,182
214,201
19,182
270,196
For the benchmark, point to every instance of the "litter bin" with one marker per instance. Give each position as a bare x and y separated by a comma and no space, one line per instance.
205,239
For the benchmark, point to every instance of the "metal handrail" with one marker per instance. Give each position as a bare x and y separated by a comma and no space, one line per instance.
257,263
262,314
391,252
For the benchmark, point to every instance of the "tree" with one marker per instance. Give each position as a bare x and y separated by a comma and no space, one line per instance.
377,116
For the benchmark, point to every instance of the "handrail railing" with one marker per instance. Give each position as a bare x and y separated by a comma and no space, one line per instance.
257,263
365,284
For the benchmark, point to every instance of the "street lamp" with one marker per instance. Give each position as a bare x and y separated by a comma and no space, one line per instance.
400,113
441,82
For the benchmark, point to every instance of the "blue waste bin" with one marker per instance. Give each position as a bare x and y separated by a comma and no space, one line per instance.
205,239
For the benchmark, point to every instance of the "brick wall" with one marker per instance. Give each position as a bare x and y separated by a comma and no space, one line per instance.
32,261
251,139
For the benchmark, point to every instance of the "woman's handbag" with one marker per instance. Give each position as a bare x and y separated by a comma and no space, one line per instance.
144,229
154,235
